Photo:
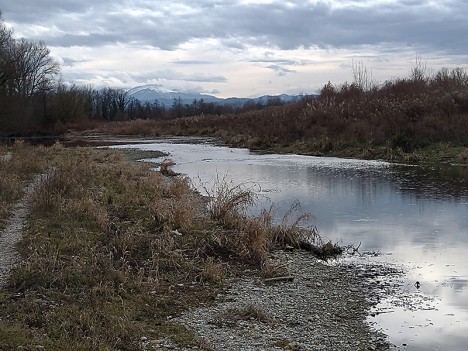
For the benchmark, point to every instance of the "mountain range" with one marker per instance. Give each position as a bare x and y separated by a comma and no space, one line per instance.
166,97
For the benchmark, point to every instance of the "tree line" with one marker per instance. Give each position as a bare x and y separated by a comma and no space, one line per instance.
375,120
33,98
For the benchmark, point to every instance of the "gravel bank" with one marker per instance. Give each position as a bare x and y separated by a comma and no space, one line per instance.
324,308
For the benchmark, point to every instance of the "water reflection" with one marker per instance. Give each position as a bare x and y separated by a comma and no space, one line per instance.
418,215
433,181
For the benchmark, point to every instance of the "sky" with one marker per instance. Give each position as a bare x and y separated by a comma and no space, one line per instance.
242,48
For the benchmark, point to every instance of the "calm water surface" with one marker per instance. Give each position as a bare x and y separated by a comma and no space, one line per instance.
416,217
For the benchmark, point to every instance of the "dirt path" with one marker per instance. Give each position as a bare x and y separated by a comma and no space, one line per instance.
13,231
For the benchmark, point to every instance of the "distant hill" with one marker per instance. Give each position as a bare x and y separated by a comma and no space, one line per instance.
153,93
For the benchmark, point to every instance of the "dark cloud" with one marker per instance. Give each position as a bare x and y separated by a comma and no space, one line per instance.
280,70
427,25
281,61
69,61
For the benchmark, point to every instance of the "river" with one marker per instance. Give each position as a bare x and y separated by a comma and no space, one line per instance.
415,218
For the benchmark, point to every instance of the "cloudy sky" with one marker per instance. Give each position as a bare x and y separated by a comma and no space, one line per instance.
242,47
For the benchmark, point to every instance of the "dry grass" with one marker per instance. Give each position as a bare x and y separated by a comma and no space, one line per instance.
228,202
166,167
295,228
101,244
18,164
251,313
252,238
112,249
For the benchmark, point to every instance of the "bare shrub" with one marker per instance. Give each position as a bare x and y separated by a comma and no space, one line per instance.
294,228
166,167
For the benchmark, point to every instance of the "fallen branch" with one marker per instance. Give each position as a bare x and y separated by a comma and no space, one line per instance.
325,251
288,278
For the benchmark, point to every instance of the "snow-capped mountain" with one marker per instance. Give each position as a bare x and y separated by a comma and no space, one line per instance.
153,93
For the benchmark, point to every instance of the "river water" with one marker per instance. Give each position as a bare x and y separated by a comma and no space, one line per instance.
415,217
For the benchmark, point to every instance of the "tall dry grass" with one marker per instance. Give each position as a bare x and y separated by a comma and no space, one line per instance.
228,202
18,164
253,237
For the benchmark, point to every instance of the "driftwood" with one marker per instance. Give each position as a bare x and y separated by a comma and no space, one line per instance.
288,278
325,251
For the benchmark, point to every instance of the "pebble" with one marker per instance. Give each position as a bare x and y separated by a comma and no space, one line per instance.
295,315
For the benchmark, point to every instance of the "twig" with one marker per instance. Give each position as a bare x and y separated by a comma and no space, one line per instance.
288,278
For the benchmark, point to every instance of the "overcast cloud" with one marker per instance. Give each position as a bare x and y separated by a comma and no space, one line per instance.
242,48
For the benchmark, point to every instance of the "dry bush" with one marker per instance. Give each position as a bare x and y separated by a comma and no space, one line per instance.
252,238
294,228
166,167
463,156
228,202
213,271
255,239
248,238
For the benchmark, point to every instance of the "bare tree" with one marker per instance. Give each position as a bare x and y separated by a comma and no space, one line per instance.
419,71
33,68
362,78
5,61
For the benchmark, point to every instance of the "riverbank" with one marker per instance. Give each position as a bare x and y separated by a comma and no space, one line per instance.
432,153
115,255
319,307
140,130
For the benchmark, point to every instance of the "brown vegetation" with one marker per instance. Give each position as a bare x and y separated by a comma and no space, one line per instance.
112,249
17,165
358,119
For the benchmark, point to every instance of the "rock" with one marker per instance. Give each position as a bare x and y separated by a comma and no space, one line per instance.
294,346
